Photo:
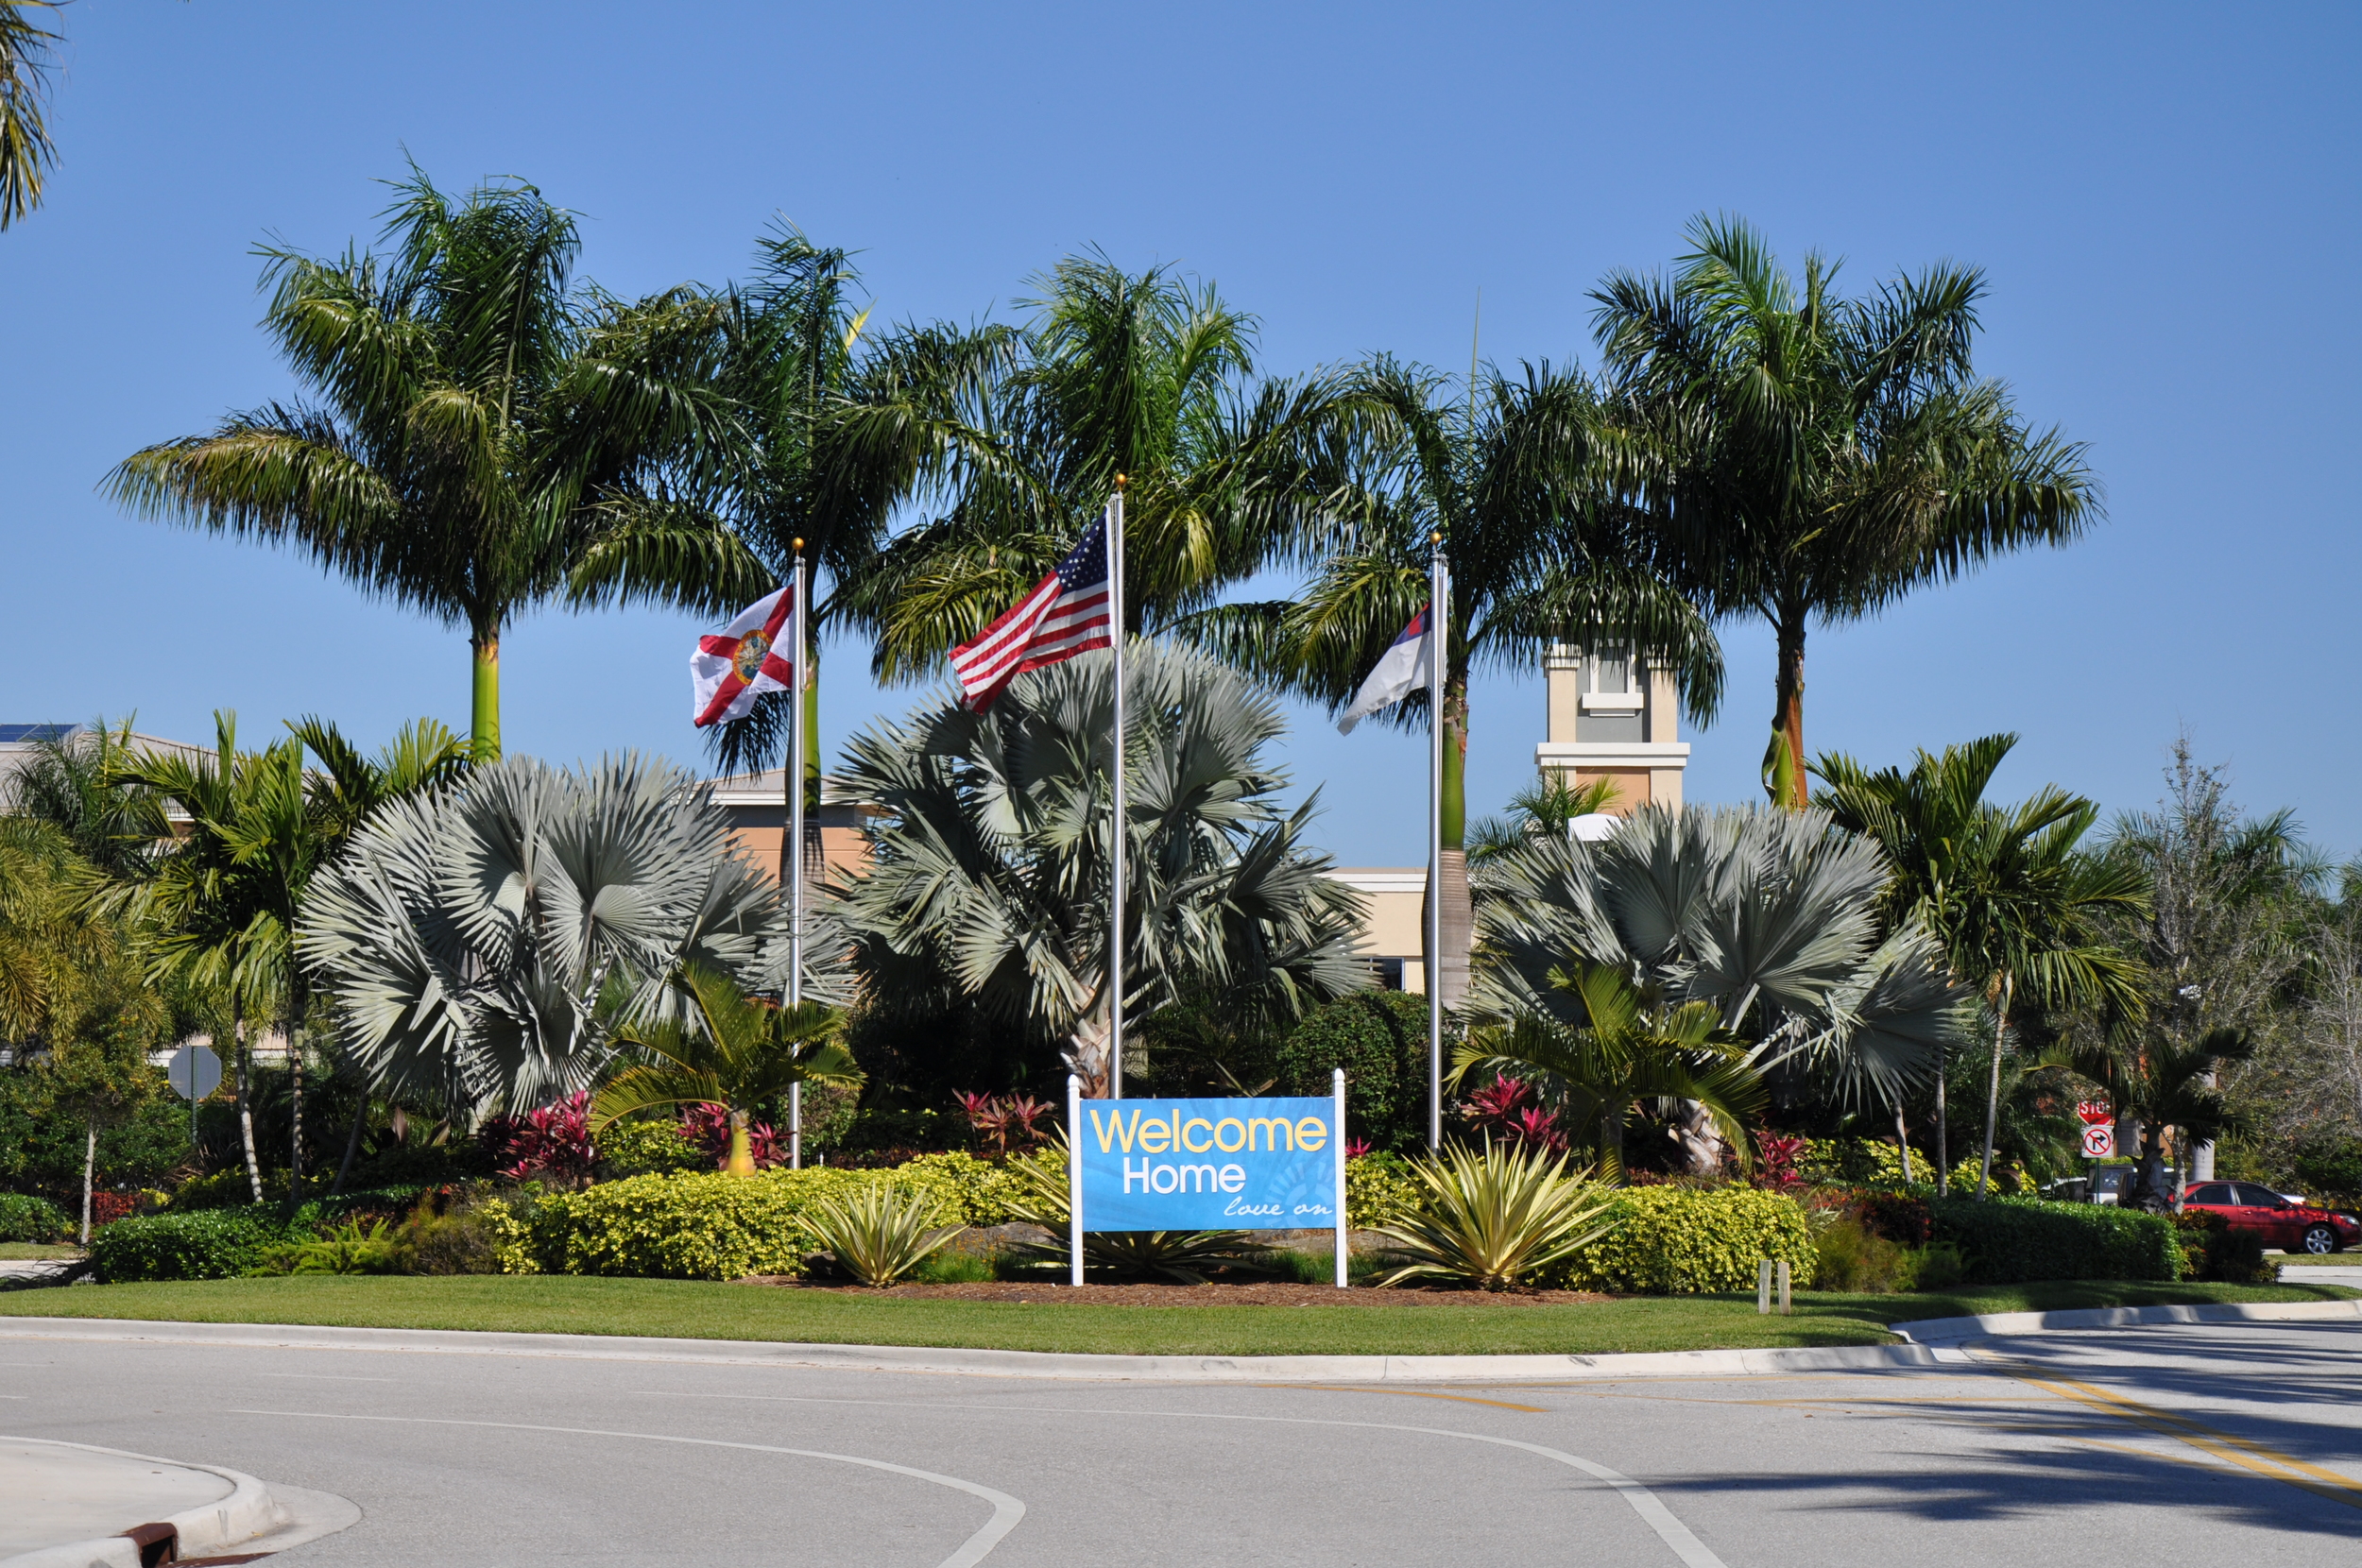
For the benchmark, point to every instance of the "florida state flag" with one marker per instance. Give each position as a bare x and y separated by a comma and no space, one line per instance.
728,672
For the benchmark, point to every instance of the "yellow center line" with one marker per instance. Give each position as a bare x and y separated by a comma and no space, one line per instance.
2246,1455
1408,1393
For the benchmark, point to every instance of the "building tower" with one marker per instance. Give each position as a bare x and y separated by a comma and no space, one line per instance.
1613,717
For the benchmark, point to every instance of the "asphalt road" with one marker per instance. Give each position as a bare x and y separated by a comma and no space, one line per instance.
2236,1446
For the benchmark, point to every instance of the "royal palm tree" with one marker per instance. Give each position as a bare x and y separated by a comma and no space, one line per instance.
731,1051
1628,1048
25,150
2019,907
484,939
1503,483
1011,440
1800,456
1772,918
473,410
719,526
988,883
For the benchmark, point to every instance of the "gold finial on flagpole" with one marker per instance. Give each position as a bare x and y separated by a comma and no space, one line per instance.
799,546
1122,480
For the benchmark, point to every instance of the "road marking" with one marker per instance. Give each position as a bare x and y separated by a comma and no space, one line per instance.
2242,1452
324,1377
1406,1394
1006,1510
1653,1513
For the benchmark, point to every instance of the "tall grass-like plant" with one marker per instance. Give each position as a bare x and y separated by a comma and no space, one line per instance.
878,1233
1497,1216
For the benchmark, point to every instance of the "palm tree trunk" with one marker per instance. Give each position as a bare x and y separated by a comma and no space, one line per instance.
89,1172
1944,1135
484,717
246,1101
1459,915
1992,1084
1783,761
1902,1141
352,1143
295,1105
1612,1142
742,1160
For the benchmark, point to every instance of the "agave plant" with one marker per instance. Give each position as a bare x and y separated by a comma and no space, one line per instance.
482,941
880,1231
1039,1196
1497,1215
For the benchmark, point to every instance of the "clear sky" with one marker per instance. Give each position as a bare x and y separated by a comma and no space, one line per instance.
2164,198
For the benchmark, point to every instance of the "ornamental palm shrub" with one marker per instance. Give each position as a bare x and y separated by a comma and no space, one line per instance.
988,885
878,1233
1496,1216
1772,918
483,941
730,1053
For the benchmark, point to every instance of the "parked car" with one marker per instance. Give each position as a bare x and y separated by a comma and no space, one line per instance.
2110,1183
2299,1227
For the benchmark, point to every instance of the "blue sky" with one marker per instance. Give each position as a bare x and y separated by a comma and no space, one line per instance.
2164,198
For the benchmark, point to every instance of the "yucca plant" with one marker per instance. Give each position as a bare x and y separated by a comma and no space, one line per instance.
1039,1197
878,1233
1495,1217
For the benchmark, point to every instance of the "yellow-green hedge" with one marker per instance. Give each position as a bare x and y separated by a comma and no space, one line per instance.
1677,1241
708,1226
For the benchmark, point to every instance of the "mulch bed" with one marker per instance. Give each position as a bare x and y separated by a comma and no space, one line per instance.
1263,1293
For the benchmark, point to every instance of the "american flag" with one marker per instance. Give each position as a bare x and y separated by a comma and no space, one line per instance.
1067,613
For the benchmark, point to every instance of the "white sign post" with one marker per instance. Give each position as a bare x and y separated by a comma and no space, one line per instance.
1074,1174
1341,1178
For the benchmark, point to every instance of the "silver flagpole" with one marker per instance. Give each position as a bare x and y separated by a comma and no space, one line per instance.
795,848
1438,660
1115,838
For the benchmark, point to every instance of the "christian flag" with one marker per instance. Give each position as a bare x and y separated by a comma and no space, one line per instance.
1066,614
728,672
1402,670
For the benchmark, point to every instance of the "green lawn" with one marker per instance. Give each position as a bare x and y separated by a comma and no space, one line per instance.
678,1309
21,1251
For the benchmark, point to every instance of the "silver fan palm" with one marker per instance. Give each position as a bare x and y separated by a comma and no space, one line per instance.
989,878
1771,916
481,941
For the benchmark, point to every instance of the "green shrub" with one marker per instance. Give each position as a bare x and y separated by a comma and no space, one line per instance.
1680,1241
490,1236
25,1218
705,1225
227,1189
1379,1038
2211,1250
2011,1240
2330,1166
209,1245
629,1149
1876,1162
1380,1190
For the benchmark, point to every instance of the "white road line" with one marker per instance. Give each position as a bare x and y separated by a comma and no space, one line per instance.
1652,1509
324,1377
1006,1510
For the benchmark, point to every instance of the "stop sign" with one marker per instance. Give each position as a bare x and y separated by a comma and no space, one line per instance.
2095,1111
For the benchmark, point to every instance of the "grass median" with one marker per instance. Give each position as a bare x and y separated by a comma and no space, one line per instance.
688,1310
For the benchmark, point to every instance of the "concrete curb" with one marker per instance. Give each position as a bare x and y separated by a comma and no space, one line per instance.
248,1511
987,1363
1951,1331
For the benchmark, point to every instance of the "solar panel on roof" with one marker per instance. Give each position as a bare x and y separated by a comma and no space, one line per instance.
27,734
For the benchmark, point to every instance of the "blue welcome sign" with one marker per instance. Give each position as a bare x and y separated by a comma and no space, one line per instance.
1211,1164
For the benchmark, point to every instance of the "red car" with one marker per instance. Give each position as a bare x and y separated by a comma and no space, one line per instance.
2298,1227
